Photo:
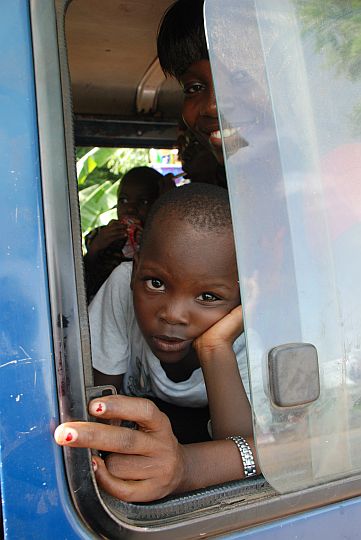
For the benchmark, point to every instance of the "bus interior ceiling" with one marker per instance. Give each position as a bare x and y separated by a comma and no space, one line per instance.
120,94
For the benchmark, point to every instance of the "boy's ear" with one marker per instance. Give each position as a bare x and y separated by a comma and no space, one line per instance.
134,269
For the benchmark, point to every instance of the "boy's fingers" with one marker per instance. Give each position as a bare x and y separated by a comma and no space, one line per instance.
225,331
115,231
139,410
237,312
126,490
113,485
233,321
102,437
237,315
132,467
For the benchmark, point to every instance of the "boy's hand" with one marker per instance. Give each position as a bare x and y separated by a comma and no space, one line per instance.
107,235
227,400
220,335
147,463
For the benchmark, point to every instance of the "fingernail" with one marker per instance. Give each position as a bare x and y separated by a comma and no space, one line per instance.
65,435
95,465
98,407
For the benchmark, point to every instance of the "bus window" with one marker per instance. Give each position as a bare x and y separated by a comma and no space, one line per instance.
288,87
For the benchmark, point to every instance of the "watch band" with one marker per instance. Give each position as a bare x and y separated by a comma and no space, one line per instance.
249,465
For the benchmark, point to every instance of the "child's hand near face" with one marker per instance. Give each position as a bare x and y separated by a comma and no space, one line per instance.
106,236
221,335
228,403
113,232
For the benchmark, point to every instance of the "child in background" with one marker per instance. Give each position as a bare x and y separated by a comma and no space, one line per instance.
170,326
116,242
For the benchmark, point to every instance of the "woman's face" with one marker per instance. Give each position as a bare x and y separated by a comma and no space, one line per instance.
199,106
240,116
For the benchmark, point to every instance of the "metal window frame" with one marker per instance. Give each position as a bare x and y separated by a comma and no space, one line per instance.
123,132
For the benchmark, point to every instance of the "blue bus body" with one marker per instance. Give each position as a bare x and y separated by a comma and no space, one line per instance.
35,496
34,491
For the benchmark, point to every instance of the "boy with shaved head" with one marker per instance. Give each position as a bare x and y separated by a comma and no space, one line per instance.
169,326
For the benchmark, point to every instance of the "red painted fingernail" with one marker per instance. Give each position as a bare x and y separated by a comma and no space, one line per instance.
95,465
98,407
64,434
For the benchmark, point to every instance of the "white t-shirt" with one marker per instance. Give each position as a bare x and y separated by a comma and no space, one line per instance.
118,347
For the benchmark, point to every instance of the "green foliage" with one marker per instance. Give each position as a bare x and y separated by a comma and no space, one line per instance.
80,151
92,162
98,205
124,159
335,26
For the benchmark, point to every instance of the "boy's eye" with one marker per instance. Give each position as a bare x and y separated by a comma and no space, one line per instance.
194,88
208,297
144,202
123,200
155,284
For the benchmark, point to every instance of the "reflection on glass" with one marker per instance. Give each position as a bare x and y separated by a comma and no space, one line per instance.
287,78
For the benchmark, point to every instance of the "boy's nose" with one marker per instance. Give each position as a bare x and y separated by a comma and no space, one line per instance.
131,207
174,312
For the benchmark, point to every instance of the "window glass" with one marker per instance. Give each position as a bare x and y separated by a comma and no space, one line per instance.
287,78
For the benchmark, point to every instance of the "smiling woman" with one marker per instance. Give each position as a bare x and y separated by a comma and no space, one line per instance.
199,108
183,54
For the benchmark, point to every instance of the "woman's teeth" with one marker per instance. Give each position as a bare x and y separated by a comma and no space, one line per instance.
215,135
228,132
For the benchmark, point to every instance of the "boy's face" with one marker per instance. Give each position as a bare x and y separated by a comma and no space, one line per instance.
135,198
183,282
199,106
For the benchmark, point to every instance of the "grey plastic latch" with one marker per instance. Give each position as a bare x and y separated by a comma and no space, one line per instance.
293,374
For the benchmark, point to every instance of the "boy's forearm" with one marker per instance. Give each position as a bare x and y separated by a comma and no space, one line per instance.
212,463
228,403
